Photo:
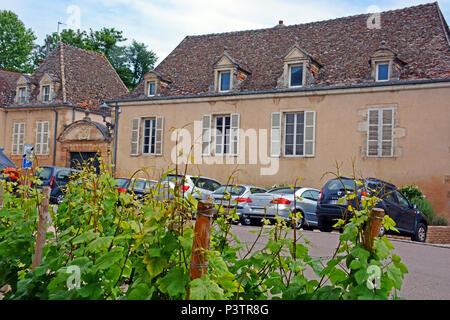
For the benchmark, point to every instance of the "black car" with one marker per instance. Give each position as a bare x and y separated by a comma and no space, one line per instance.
56,178
409,221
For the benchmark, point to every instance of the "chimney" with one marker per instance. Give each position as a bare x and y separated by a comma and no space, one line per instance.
280,22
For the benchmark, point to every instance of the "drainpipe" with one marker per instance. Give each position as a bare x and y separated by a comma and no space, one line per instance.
116,129
54,135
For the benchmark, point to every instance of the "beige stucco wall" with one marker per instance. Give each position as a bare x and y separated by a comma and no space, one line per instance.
422,135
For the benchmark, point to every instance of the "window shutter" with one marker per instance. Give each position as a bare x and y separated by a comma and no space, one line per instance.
235,124
372,132
45,137
380,134
206,135
38,146
159,135
309,134
275,134
387,128
135,129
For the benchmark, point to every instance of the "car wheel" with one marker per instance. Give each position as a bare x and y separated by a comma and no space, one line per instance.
246,221
59,199
382,231
299,225
420,233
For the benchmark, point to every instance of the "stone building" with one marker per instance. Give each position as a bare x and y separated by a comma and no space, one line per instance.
47,109
305,96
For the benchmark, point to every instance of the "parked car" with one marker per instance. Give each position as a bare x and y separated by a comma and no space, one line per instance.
56,178
282,202
234,197
200,187
409,221
144,187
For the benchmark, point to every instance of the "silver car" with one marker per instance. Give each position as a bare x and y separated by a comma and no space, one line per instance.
282,202
234,197
200,187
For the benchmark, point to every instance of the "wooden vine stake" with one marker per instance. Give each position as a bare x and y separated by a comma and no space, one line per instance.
373,227
42,227
202,231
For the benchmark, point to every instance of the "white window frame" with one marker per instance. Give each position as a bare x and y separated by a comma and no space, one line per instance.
380,126
221,72
43,93
152,132
19,98
18,138
290,74
376,71
312,141
41,142
222,136
148,88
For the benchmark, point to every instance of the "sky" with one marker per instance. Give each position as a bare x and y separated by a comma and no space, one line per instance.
163,24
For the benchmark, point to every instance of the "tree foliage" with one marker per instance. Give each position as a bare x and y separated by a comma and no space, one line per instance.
16,43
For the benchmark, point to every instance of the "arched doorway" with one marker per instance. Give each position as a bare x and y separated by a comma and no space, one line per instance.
82,140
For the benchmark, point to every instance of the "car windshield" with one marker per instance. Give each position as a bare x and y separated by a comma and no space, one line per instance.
173,178
45,173
232,190
122,182
138,184
336,184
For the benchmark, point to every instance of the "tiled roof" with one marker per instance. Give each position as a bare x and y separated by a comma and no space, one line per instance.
84,77
7,86
418,35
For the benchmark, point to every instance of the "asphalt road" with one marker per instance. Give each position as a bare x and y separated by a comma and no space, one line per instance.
428,265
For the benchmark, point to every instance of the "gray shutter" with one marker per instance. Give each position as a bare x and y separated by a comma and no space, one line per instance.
386,132
206,135
309,133
159,135
135,130
372,132
38,146
275,134
234,138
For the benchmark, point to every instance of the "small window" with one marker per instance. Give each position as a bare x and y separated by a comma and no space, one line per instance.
257,190
383,72
22,95
295,75
151,89
46,93
224,78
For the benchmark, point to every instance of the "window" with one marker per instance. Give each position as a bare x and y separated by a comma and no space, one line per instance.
152,136
42,128
151,88
18,138
380,133
382,72
257,190
22,95
296,75
149,136
310,195
402,200
45,93
299,133
224,80
207,184
222,138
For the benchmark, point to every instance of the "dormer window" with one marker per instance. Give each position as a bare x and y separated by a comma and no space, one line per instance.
299,70
151,85
22,95
382,71
225,81
296,75
45,93
385,65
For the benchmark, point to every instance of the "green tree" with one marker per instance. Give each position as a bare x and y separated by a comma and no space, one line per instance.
140,61
16,43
